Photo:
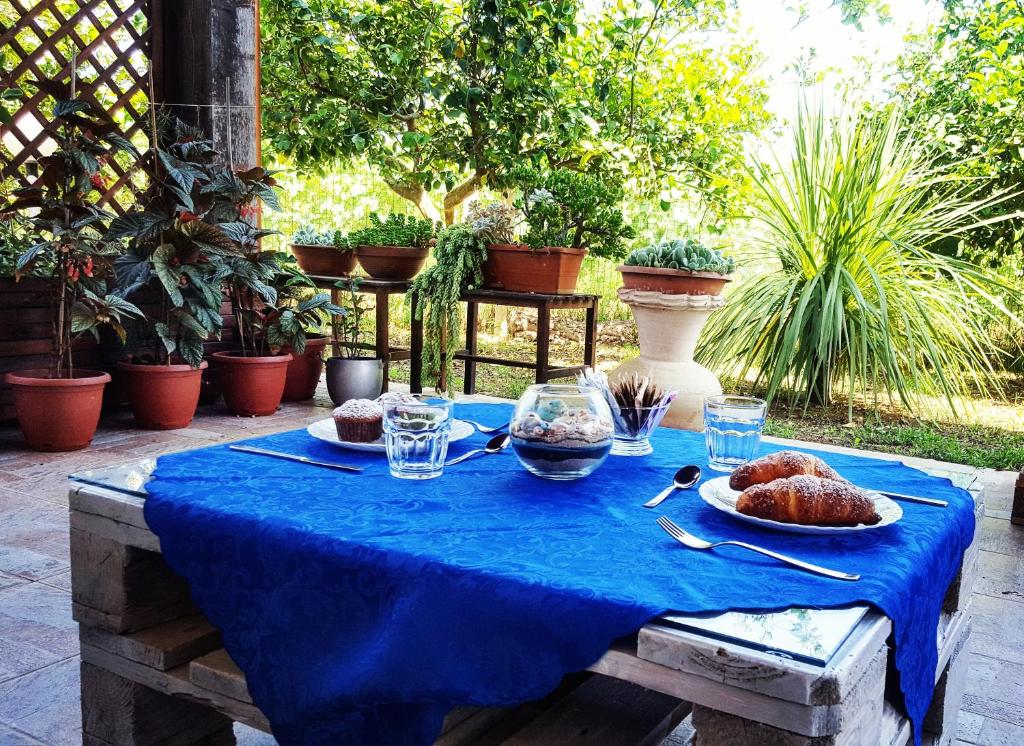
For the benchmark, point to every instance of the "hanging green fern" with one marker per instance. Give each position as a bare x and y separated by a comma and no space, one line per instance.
458,257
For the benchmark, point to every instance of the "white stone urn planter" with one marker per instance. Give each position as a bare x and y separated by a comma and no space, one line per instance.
668,326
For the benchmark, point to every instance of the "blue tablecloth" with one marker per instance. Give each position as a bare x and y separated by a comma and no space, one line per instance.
361,607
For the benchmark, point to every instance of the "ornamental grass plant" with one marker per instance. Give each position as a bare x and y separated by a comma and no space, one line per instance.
851,287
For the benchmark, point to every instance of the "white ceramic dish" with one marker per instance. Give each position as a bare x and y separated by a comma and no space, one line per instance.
326,431
718,494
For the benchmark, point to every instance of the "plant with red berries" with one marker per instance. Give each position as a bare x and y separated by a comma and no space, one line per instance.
61,213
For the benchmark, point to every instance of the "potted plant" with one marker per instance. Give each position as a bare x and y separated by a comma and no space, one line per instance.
58,408
459,256
677,267
323,252
252,378
300,329
672,288
351,375
174,261
394,248
567,213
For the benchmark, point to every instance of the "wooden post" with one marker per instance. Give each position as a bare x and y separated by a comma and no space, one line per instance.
1017,515
543,341
210,49
472,318
590,336
382,333
415,347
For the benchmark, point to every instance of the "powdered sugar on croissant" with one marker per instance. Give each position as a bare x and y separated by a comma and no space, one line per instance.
778,466
810,501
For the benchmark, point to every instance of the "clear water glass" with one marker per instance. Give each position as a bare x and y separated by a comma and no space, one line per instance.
733,427
416,430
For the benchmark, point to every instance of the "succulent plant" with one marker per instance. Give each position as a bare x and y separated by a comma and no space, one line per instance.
494,222
395,230
307,235
686,254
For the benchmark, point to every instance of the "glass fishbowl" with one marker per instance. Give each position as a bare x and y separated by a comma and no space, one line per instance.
562,431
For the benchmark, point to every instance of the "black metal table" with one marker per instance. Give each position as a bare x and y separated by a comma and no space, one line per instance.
381,290
545,304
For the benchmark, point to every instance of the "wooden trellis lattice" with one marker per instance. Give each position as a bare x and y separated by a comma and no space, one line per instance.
108,42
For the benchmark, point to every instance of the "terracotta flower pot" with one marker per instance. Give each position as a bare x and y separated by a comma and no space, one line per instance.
304,370
672,281
518,268
58,414
252,385
392,262
162,397
324,260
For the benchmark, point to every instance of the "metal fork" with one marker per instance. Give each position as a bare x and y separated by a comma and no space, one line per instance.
486,429
694,543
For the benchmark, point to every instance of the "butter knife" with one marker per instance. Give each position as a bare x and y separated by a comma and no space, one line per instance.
914,498
293,457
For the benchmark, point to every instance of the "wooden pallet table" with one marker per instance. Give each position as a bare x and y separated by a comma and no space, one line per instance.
545,304
154,670
382,290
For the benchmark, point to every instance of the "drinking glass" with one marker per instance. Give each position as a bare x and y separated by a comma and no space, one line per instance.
416,430
732,427
633,428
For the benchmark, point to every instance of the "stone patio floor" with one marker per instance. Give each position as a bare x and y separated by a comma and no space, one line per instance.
39,697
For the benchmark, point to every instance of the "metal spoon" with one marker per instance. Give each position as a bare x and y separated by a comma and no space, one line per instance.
684,479
495,445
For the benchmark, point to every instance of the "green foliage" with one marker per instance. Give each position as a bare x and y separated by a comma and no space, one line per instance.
493,222
444,97
395,230
852,289
300,309
352,321
570,208
963,80
66,227
458,257
307,235
177,246
687,254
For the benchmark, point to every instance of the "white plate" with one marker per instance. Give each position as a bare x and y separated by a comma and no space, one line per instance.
326,431
718,494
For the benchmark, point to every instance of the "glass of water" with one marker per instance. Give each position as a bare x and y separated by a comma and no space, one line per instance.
416,429
733,426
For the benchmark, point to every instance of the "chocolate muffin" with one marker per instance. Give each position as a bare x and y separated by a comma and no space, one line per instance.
359,421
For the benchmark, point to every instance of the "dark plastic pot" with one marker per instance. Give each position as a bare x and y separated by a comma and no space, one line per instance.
324,260
162,397
58,414
252,386
392,262
518,268
354,378
672,281
304,370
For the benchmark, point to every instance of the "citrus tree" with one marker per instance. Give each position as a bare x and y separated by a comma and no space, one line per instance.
964,81
443,96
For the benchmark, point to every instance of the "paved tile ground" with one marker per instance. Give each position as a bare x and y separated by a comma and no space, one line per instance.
39,699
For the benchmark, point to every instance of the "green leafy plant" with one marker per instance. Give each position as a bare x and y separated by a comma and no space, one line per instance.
571,208
458,257
351,324
176,246
307,235
687,254
395,230
299,311
67,227
494,222
852,289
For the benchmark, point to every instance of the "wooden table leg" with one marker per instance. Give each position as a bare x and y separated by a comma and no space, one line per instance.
415,348
383,333
590,337
469,380
335,323
543,342
1017,514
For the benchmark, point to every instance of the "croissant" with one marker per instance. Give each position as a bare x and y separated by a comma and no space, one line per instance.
779,465
810,501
